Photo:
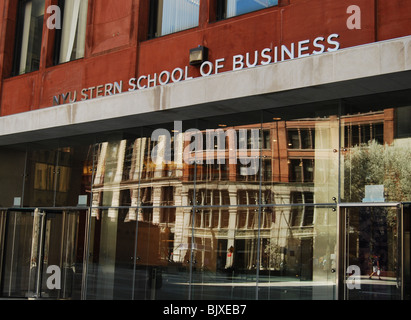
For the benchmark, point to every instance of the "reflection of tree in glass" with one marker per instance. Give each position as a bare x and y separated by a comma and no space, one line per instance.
376,164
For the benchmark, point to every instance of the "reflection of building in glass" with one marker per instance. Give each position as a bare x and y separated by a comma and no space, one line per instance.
221,206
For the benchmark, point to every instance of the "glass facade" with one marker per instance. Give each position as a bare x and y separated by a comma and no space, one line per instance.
242,206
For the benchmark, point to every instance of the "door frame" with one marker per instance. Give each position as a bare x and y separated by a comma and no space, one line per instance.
342,242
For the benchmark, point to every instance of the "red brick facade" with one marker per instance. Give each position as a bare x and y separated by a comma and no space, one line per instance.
117,48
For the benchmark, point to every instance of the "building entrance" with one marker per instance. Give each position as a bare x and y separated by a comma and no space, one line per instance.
373,263
40,254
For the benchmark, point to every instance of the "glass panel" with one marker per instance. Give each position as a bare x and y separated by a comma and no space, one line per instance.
19,268
73,32
30,38
42,255
111,255
163,169
74,169
298,253
109,172
301,161
12,172
376,153
57,176
163,255
62,256
372,253
177,15
41,178
227,160
237,7
225,255
3,216
72,254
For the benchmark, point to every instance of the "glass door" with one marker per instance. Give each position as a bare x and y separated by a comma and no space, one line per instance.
40,255
371,252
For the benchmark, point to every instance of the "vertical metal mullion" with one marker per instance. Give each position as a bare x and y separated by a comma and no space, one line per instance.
341,217
400,241
139,205
40,254
56,176
194,211
63,251
83,295
12,250
24,178
260,162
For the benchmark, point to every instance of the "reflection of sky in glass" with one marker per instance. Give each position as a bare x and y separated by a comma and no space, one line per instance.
237,7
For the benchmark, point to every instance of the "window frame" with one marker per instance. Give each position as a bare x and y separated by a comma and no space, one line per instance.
18,44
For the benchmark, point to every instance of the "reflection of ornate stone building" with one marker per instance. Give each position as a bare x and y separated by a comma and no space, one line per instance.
296,161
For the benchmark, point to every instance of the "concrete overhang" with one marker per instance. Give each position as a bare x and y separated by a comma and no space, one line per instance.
373,69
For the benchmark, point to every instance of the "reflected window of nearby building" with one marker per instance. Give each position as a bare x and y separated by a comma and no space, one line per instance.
209,197
266,137
357,134
214,219
301,138
169,16
301,170
167,195
403,115
71,38
167,215
247,218
231,8
29,35
302,216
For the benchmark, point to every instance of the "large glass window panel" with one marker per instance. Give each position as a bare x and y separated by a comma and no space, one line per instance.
169,16
231,8
122,166
298,259
73,33
227,162
29,35
163,255
3,218
41,176
165,200
164,177
376,152
57,175
111,167
111,255
225,257
19,255
74,169
12,171
372,246
302,161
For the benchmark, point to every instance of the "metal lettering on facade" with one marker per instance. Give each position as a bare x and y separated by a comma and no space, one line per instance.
239,62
